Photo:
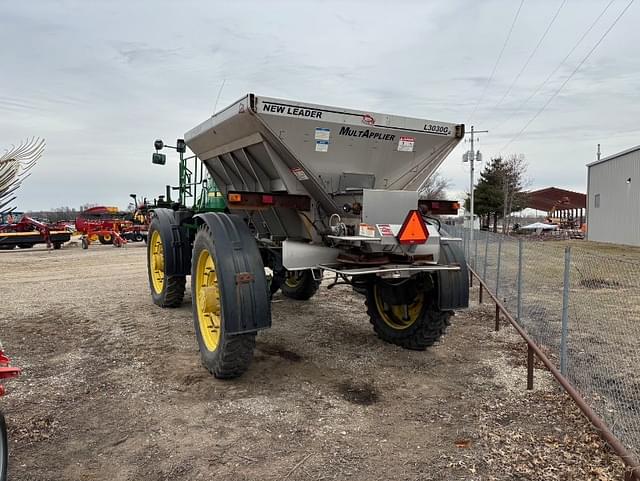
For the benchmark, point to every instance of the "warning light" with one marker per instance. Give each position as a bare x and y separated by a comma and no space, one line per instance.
235,198
456,205
413,230
267,199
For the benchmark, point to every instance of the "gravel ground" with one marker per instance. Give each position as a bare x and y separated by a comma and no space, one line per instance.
113,389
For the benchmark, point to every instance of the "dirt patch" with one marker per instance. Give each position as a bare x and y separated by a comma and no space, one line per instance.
276,350
598,283
363,394
113,389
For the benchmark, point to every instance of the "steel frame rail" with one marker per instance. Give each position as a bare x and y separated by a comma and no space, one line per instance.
632,471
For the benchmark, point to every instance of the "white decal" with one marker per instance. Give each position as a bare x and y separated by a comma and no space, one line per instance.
367,230
322,145
385,230
405,144
322,133
299,173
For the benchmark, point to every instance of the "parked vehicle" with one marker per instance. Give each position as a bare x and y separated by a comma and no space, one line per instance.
306,189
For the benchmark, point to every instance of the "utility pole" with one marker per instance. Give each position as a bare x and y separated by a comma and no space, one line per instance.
472,156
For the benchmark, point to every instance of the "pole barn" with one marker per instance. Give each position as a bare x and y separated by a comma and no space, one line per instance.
613,190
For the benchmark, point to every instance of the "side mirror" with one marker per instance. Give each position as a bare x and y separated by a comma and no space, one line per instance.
159,159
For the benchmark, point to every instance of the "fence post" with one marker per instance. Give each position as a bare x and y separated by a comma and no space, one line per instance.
464,243
519,302
565,311
475,254
486,251
498,265
529,367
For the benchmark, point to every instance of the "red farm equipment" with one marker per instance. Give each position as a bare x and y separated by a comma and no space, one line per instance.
28,232
6,372
108,225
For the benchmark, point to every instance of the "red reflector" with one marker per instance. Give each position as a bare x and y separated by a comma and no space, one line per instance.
413,230
234,198
267,199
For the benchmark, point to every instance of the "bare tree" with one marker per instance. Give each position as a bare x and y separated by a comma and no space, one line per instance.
435,188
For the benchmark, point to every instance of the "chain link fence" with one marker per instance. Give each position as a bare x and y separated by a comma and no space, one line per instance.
581,307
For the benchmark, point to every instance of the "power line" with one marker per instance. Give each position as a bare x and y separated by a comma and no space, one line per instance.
495,66
558,67
570,76
533,52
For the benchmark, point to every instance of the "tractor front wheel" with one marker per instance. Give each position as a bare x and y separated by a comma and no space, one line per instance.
300,285
225,356
404,313
166,291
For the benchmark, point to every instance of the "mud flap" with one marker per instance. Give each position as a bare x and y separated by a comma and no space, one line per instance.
453,286
245,298
175,242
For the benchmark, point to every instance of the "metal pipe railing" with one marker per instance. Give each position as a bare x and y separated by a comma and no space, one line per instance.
632,472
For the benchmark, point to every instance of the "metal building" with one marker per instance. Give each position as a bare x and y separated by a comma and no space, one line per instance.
613,190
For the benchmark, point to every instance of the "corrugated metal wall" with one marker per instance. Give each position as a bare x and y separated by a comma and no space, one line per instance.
617,220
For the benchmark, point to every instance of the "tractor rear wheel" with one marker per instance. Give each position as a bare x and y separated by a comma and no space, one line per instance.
300,285
4,451
404,313
225,356
166,291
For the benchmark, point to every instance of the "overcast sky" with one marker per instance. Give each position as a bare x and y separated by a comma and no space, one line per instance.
101,81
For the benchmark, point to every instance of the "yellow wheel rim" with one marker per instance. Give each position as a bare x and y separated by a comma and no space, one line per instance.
156,262
107,237
207,295
93,237
399,316
293,279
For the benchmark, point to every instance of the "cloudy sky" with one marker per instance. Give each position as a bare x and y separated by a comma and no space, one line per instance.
101,80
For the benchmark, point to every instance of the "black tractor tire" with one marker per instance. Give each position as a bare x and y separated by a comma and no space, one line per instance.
105,241
300,285
232,354
4,449
425,326
57,245
25,246
85,243
166,291
137,237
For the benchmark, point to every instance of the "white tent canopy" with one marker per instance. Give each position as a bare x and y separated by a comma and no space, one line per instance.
540,226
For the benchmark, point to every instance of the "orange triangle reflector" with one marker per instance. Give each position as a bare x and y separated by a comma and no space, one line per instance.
413,230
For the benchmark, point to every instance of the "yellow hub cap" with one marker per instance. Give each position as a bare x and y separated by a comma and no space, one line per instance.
156,262
293,279
399,316
207,295
107,237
